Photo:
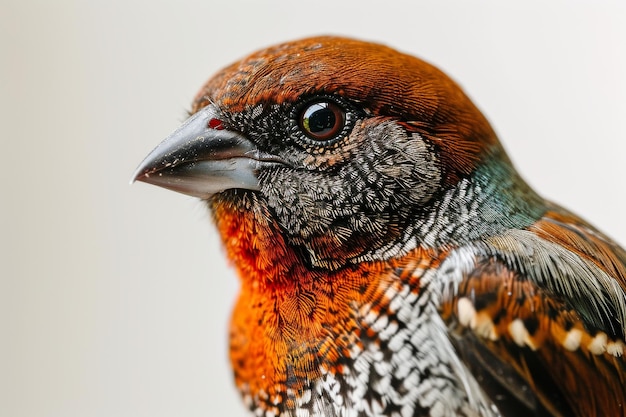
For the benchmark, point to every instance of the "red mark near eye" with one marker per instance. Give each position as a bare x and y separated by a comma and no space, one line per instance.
216,124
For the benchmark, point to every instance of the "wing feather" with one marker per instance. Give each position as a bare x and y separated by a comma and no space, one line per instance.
539,315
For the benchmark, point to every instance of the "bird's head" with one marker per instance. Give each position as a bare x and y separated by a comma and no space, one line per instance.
350,147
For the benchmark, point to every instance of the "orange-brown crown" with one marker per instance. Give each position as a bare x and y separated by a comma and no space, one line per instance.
381,79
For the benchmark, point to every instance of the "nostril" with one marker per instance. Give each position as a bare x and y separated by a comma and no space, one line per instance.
216,124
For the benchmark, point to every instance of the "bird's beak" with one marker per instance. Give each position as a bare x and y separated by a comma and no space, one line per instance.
200,161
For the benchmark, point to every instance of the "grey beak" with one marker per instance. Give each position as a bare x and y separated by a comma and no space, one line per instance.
201,161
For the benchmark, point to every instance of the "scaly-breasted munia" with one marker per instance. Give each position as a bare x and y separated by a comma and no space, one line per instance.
392,261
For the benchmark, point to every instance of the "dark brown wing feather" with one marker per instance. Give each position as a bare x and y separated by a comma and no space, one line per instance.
523,336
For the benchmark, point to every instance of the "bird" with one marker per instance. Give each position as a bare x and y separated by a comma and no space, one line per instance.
391,259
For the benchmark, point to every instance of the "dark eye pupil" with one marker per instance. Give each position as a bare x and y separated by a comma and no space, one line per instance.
322,120
319,118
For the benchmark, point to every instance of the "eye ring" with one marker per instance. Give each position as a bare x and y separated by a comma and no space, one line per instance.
322,120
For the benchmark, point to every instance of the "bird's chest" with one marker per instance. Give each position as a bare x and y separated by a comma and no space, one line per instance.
364,342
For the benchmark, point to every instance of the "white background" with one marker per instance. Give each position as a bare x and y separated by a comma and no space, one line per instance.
114,299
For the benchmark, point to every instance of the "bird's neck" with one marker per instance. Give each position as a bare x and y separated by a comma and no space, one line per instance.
294,324
490,201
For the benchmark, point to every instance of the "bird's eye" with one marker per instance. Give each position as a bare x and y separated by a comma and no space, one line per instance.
322,120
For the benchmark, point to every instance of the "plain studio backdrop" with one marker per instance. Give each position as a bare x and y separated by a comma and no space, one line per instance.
115,299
